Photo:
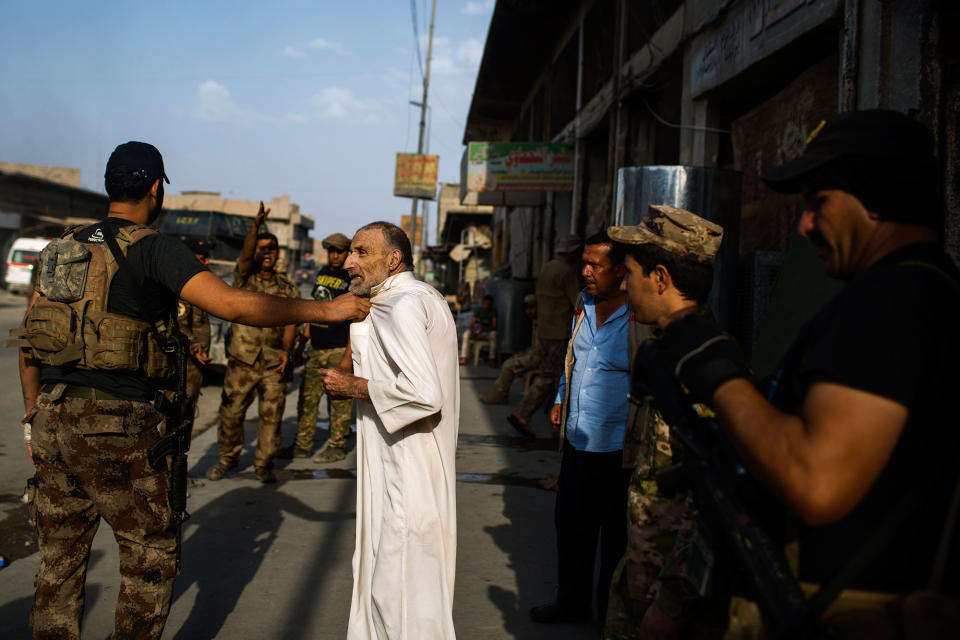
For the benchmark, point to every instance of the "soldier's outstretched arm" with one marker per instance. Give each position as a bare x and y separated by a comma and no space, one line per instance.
217,298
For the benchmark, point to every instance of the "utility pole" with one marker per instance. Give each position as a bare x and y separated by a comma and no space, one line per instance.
423,121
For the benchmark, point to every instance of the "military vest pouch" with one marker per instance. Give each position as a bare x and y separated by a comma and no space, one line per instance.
119,341
64,263
69,325
50,330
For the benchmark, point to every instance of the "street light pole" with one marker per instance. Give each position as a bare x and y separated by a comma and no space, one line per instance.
423,119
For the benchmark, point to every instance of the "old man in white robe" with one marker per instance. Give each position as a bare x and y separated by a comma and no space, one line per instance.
405,376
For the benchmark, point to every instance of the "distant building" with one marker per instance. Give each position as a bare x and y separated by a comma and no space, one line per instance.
291,227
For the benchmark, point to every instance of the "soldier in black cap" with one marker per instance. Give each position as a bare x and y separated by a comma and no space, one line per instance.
328,343
92,360
857,433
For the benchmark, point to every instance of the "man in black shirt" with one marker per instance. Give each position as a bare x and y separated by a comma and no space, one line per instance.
91,361
328,343
857,434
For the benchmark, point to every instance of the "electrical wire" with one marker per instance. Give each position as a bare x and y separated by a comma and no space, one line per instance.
416,34
682,126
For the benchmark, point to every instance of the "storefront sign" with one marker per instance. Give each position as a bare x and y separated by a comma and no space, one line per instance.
519,166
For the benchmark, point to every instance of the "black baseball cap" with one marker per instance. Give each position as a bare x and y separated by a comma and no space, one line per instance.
138,158
874,136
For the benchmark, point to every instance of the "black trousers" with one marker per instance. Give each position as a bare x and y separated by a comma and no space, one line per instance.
591,508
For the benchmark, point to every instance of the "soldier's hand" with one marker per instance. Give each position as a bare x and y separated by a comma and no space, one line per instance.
347,307
283,358
261,215
700,355
200,354
556,412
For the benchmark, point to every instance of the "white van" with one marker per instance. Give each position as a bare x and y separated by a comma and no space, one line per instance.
21,260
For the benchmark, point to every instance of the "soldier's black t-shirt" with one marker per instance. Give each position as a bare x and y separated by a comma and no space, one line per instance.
331,282
891,332
160,266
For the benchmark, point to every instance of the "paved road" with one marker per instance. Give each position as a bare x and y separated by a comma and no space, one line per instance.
273,561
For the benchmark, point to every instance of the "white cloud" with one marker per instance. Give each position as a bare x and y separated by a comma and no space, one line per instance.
326,45
215,104
443,61
470,52
335,103
478,8
293,51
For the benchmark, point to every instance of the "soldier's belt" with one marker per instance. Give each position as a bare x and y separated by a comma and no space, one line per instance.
83,393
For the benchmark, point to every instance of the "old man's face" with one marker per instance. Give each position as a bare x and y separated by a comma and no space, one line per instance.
367,262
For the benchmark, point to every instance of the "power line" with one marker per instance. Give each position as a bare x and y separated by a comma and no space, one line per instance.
416,34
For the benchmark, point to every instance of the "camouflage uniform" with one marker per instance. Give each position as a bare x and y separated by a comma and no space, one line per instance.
88,453
548,356
252,361
195,324
311,392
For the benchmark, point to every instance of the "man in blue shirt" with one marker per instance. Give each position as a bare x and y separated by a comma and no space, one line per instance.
591,410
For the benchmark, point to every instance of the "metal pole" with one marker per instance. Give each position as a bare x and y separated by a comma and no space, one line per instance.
423,118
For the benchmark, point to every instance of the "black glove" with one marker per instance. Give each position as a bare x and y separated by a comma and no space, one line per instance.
700,355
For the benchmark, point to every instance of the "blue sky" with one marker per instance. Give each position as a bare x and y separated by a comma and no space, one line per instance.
251,99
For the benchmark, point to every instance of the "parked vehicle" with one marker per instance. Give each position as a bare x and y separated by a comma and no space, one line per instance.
21,262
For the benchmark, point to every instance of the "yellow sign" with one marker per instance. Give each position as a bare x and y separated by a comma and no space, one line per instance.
416,176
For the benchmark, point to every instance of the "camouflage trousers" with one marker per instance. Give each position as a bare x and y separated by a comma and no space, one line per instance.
91,462
311,392
240,384
547,356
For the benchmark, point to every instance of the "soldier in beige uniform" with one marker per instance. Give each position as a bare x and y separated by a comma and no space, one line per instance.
557,288
195,324
257,361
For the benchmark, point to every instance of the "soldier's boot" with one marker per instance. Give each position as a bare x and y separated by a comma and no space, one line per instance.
292,451
265,475
494,396
330,454
217,471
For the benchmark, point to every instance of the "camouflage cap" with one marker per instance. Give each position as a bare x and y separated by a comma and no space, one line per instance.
680,232
336,241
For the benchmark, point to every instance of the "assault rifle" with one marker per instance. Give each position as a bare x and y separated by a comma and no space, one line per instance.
709,470
176,441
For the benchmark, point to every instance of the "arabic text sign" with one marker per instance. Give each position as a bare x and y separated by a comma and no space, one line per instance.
519,166
416,176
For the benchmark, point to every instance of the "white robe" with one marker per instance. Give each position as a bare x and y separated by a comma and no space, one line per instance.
405,558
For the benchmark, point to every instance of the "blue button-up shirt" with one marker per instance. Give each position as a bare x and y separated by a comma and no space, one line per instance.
600,381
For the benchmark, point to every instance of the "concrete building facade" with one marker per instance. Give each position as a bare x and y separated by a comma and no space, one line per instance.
725,84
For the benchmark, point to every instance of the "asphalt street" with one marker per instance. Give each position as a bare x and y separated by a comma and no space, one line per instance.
273,561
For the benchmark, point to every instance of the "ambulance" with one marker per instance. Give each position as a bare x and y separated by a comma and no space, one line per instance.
21,261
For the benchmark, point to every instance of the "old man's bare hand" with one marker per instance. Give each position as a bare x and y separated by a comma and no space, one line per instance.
339,384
